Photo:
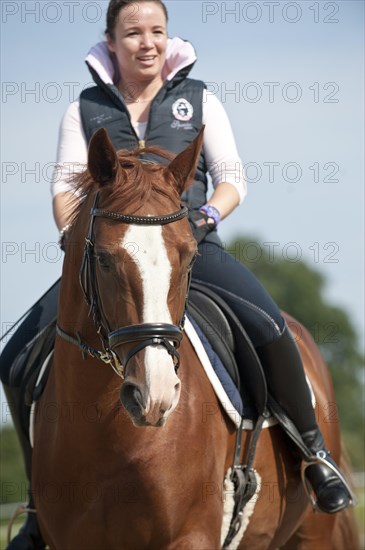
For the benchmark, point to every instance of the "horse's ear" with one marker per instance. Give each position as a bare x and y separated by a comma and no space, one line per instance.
184,165
102,158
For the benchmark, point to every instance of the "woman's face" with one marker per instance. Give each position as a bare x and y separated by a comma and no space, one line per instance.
139,43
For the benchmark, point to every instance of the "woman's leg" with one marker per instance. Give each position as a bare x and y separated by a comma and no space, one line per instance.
279,356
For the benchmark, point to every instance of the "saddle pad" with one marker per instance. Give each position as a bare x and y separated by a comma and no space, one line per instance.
222,383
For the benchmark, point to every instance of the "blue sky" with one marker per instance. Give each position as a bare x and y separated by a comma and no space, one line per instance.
295,73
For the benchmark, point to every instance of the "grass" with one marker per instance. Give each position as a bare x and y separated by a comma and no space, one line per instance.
360,514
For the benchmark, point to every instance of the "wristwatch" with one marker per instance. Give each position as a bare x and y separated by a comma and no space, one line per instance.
211,212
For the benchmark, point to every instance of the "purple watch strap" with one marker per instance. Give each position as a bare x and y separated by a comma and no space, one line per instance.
211,212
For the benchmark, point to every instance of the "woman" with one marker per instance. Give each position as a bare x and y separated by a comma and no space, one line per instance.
143,96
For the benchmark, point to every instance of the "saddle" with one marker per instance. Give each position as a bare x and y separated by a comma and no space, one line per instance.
25,370
215,321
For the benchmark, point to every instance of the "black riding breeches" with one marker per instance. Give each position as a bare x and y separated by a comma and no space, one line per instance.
257,312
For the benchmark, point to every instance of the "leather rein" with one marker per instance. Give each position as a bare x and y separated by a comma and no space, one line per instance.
142,335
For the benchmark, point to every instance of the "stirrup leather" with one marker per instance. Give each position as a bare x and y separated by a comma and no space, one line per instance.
321,458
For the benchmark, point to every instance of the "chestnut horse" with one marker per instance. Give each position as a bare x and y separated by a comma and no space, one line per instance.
149,474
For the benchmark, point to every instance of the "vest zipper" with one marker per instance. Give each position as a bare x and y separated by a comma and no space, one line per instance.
142,142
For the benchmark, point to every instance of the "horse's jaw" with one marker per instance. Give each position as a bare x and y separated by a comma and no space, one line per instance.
150,394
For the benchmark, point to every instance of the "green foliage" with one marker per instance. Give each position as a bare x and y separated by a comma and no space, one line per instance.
13,480
299,290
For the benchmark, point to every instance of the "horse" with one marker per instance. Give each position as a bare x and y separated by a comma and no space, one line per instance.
127,451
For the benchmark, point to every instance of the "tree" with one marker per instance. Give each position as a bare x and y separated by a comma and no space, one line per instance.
299,290
13,481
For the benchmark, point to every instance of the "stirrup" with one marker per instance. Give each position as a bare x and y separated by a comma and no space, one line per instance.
320,457
22,509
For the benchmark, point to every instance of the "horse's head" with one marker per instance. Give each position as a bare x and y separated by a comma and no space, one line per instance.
136,268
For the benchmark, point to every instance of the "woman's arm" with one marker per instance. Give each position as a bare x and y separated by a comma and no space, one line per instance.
63,205
71,159
224,164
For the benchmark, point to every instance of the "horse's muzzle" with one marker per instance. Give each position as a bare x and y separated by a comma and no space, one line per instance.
142,410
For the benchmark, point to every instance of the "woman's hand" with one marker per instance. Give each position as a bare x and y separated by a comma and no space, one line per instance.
201,224
224,199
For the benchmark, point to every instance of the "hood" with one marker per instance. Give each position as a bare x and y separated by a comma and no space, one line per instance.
180,58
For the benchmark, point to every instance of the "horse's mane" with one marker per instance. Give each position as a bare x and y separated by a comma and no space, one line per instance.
138,179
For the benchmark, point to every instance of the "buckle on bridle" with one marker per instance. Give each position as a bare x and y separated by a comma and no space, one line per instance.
111,358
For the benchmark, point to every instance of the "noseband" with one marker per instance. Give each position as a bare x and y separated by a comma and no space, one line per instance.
142,335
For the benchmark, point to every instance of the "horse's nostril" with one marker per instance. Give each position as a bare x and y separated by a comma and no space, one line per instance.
131,397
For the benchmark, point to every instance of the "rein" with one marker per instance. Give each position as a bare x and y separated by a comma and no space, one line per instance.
144,334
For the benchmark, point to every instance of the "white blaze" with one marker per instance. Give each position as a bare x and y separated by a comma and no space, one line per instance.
147,249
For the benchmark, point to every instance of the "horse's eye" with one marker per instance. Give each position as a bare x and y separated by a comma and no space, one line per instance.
104,261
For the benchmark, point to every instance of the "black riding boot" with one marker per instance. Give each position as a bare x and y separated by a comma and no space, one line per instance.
287,384
29,536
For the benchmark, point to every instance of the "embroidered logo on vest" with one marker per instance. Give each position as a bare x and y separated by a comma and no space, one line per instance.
100,119
182,109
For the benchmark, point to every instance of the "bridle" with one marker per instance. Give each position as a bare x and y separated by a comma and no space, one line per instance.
144,334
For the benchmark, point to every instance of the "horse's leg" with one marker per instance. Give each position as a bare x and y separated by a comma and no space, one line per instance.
314,533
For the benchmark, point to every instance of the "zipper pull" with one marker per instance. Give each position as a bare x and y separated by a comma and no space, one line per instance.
141,144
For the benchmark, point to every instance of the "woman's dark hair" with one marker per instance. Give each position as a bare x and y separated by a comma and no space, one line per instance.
116,5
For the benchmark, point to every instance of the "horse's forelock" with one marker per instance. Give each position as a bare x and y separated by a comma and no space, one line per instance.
136,181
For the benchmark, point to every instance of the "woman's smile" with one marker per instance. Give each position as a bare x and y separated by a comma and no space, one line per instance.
147,60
